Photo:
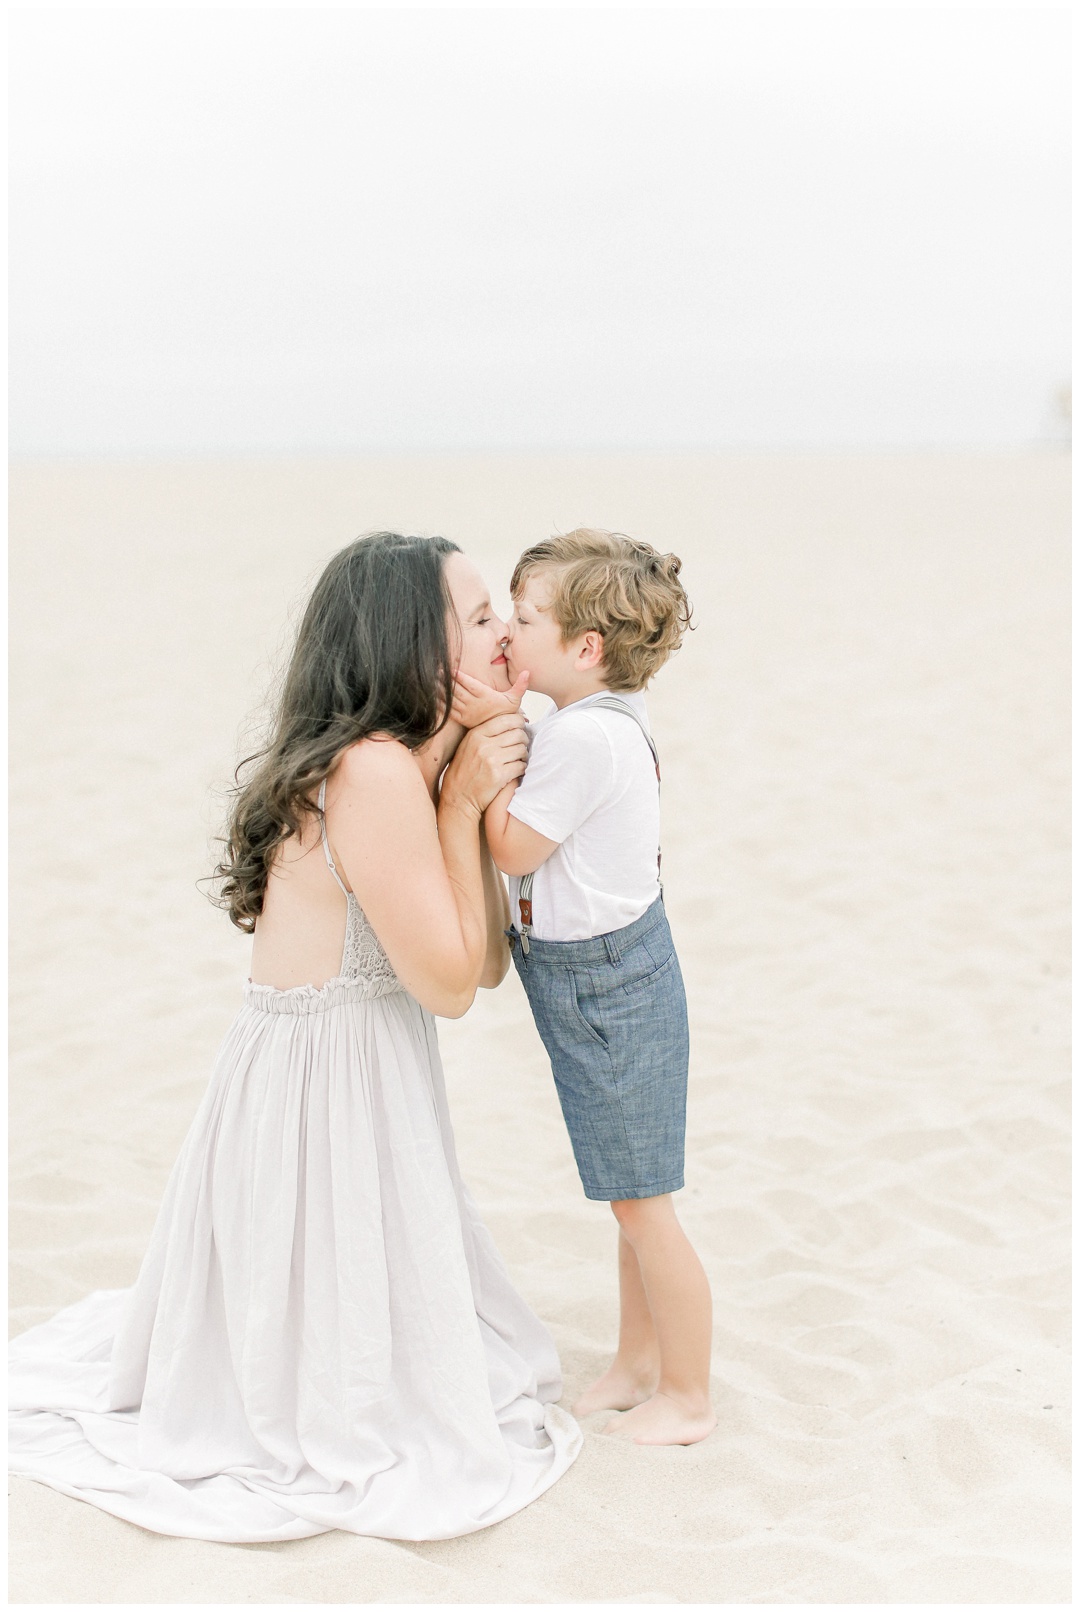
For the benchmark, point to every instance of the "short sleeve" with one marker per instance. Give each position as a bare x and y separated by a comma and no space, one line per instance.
571,772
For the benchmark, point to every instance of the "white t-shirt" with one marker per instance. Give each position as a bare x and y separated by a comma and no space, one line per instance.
591,785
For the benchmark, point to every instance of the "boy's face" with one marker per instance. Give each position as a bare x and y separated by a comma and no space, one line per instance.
536,644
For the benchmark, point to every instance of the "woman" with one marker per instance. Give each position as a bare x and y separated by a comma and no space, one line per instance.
322,1334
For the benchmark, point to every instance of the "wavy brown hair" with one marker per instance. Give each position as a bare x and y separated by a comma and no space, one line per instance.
618,586
373,655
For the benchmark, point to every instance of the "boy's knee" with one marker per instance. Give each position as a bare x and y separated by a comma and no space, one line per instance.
638,1215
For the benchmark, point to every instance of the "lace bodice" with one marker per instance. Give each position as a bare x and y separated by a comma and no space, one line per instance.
365,970
363,960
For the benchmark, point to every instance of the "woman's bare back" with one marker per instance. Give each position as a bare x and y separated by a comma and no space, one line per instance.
301,930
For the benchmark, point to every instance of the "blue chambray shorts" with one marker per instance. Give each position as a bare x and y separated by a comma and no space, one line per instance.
611,1012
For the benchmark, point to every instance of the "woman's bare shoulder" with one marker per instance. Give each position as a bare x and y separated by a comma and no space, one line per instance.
379,761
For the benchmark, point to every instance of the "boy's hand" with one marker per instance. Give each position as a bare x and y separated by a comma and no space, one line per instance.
474,702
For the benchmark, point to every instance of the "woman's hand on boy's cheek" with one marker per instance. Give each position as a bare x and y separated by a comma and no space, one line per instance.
474,702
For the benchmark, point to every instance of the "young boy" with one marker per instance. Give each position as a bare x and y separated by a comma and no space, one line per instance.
595,616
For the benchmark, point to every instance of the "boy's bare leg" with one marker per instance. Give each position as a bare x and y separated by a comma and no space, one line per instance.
677,1291
635,1371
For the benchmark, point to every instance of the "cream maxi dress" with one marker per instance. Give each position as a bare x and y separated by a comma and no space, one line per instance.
322,1334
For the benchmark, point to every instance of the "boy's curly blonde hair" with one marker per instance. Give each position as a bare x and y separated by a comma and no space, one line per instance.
608,583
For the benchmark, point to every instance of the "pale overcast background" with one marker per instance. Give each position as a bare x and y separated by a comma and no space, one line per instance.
307,230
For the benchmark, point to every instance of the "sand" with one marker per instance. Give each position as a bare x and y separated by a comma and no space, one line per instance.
865,843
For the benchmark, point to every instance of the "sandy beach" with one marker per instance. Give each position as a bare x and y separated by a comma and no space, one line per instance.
865,752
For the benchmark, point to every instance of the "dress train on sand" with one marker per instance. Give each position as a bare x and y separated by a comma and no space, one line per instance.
322,1334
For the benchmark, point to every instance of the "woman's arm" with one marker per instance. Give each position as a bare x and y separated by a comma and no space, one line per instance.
497,907
417,875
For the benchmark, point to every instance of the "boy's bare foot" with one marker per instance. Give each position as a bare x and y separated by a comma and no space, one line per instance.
664,1420
618,1389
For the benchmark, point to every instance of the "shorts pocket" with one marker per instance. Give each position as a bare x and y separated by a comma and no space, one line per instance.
642,972
586,1010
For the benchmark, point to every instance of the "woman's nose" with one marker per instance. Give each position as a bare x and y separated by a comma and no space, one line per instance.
502,629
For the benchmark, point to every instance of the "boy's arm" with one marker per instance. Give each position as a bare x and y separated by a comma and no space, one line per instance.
515,848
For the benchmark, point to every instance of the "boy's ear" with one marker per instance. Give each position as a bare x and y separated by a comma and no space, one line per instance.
591,653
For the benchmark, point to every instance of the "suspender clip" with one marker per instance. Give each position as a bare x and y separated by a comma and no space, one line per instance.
525,910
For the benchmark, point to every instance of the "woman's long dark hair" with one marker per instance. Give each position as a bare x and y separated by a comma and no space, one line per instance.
372,656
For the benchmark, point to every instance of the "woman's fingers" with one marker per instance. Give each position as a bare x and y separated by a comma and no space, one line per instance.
492,754
501,722
512,741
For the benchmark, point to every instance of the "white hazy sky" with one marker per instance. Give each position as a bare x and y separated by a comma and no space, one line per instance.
304,230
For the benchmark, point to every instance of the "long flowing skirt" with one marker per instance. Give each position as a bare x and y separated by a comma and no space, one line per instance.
322,1334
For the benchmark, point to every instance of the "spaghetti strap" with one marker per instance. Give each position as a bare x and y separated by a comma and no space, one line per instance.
326,843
